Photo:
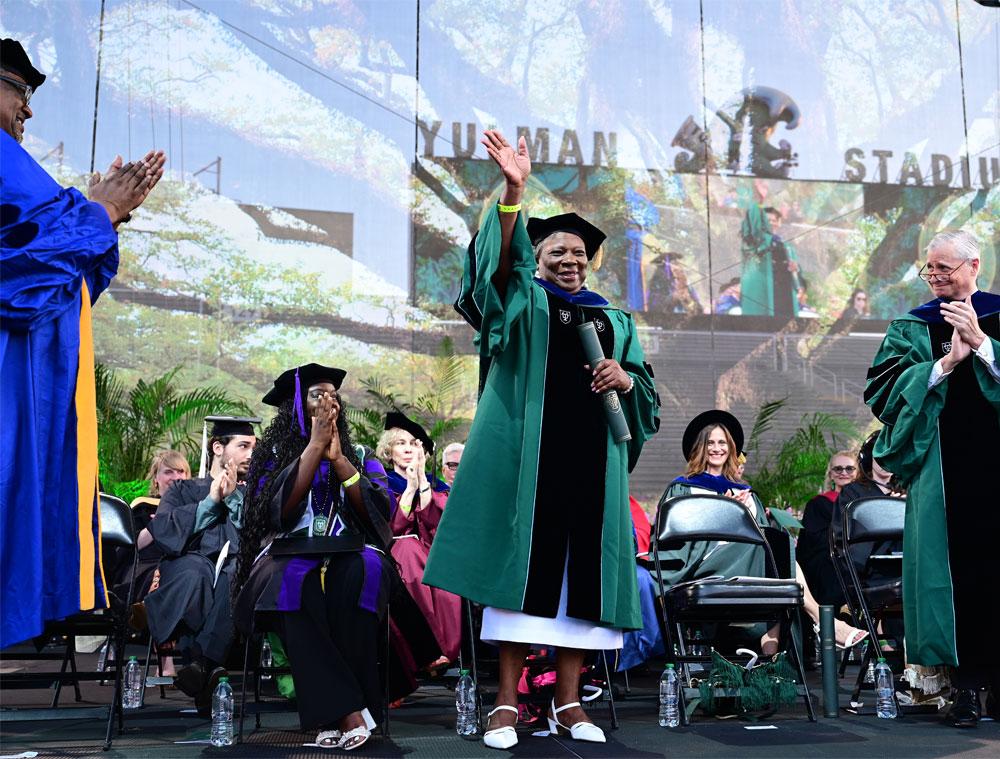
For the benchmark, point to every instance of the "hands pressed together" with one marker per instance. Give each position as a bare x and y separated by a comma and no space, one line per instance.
966,335
324,427
123,188
224,483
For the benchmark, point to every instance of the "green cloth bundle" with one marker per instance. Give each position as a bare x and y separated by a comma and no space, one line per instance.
765,687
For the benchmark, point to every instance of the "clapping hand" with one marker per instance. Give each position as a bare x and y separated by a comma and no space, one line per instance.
324,425
123,188
966,336
224,483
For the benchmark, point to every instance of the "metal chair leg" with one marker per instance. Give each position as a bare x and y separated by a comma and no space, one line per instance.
388,652
611,693
797,655
243,688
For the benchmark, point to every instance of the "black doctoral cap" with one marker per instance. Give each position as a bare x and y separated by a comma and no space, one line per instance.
539,229
224,426
308,374
397,419
13,58
713,418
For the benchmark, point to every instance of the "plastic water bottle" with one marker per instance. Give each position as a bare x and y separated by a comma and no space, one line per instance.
466,723
669,691
222,714
885,703
132,694
266,658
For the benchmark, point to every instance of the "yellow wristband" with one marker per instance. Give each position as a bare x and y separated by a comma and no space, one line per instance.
351,480
508,209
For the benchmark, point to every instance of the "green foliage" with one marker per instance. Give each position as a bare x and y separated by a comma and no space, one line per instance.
793,475
432,410
134,423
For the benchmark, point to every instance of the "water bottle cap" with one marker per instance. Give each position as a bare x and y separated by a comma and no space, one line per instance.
670,666
463,672
881,660
133,658
223,680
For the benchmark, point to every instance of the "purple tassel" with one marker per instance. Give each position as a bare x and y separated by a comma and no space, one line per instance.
298,404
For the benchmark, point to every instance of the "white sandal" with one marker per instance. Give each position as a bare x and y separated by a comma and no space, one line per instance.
504,737
328,738
340,740
581,731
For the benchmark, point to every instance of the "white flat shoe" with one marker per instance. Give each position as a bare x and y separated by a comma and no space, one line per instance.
581,731
502,737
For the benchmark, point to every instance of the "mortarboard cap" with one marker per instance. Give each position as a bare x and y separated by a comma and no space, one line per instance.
539,229
397,419
713,418
13,58
309,375
223,426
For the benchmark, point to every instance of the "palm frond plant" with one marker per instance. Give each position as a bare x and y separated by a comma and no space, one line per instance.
430,410
134,423
794,474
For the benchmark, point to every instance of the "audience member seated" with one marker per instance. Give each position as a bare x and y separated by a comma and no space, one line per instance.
308,482
166,467
710,444
813,548
872,481
197,529
450,459
404,448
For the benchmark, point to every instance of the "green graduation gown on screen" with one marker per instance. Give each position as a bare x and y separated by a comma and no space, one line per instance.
767,288
528,495
940,442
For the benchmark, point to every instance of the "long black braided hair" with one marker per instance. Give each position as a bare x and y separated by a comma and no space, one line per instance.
281,443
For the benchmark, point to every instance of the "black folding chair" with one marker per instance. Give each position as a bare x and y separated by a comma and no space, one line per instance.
878,520
117,540
692,518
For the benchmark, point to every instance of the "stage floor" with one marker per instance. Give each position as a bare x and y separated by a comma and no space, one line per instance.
424,727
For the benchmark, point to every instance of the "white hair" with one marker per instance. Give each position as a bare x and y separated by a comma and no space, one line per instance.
452,447
965,245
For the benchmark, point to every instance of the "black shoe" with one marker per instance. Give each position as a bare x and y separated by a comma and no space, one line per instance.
964,710
190,680
203,699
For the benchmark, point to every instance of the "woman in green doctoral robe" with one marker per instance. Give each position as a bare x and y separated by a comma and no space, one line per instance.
538,527
711,444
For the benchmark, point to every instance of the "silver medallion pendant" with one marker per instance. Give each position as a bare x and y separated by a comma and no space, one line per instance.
319,525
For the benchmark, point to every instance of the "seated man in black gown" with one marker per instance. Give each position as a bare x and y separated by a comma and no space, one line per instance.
197,528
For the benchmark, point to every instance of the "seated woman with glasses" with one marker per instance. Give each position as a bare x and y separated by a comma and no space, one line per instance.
419,505
813,548
711,445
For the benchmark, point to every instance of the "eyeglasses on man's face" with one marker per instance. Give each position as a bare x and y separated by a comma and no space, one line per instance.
941,273
453,465
26,90
843,469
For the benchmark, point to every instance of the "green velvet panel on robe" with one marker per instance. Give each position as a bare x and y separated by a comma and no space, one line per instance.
910,447
483,544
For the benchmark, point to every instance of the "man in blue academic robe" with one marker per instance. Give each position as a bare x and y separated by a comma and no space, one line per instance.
58,252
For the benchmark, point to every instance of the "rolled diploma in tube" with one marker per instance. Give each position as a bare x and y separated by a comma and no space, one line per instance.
612,404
